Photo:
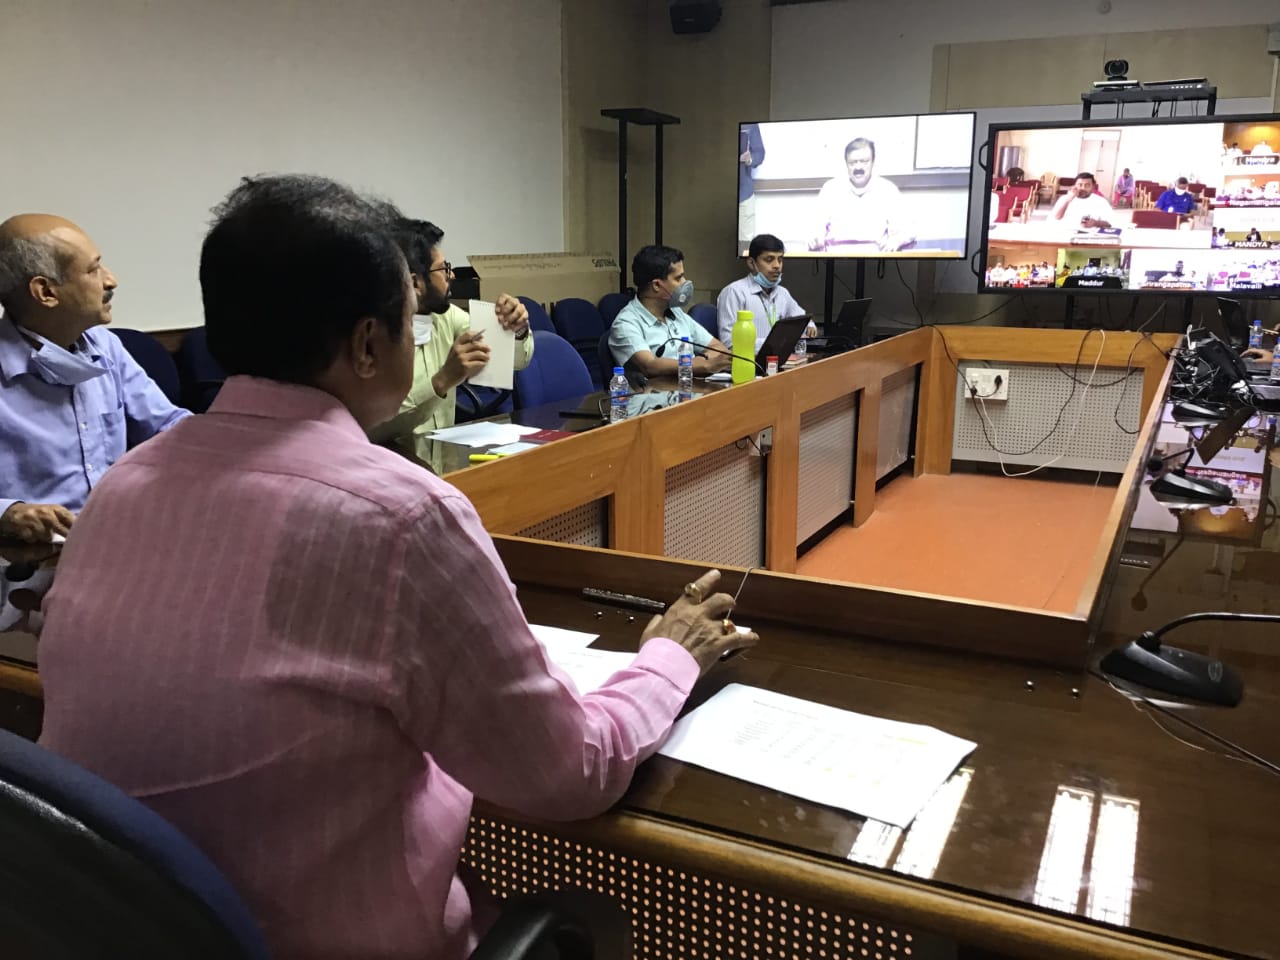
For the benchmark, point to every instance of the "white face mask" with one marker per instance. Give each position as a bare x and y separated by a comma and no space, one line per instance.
61,365
1179,190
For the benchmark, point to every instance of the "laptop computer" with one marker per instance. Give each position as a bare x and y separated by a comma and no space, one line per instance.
845,332
782,339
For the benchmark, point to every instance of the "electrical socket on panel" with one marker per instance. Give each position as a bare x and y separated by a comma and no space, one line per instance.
987,383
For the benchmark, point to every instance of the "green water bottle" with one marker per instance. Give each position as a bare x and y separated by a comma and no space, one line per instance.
744,345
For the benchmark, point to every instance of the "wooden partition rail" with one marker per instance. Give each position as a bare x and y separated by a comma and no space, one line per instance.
627,462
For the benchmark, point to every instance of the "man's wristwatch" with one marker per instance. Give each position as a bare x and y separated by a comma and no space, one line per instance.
525,335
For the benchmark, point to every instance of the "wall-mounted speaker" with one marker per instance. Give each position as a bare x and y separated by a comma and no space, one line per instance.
694,16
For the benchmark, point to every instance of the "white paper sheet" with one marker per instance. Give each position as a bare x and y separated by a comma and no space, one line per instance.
875,768
517,447
482,433
499,371
568,650
560,638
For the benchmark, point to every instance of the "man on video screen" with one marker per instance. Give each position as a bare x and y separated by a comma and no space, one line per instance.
861,208
1083,204
1178,200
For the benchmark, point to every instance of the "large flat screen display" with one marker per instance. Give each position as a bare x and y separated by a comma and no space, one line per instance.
861,187
1179,205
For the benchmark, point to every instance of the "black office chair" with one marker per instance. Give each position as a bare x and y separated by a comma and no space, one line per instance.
202,376
87,871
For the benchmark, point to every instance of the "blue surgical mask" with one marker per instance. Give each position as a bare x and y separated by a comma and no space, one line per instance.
60,365
682,295
765,282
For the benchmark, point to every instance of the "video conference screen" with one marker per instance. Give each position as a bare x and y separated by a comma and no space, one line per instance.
864,187
1172,206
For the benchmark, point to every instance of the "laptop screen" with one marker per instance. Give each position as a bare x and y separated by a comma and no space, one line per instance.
782,339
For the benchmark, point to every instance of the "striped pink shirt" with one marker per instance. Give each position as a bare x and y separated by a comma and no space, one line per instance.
304,651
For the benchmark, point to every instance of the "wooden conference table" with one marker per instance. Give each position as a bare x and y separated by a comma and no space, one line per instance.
1084,824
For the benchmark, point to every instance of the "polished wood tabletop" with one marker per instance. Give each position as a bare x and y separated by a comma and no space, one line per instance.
1056,749
571,415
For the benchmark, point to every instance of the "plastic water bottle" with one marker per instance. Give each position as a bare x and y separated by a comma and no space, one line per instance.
1255,334
801,351
619,390
684,366
1275,365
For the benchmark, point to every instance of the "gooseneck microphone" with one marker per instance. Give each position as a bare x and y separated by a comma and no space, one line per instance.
736,356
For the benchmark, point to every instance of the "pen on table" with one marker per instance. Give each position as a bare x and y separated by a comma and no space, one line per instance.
485,457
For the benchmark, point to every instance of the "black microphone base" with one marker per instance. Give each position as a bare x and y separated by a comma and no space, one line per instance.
1180,673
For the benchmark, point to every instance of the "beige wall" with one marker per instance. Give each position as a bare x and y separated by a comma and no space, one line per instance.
623,53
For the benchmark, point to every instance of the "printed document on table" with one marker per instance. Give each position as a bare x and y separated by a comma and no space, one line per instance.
482,433
568,650
881,769
499,371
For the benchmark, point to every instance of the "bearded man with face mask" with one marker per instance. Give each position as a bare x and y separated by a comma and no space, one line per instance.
645,332
72,399
445,351
760,291
1179,200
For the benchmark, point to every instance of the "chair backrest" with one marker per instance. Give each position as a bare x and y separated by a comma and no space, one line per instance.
538,319
201,375
706,317
579,322
1157,219
154,359
557,372
604,356
611,304
86,870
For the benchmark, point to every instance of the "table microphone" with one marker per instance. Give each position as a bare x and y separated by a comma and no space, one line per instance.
727,353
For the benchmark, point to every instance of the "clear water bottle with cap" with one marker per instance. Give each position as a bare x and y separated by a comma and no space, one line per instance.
1275,365
619,390
801,351
684,366
1255,335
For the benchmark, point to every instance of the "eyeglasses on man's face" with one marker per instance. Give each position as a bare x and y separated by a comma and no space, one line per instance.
447,267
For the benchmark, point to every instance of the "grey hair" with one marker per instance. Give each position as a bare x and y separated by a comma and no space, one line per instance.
21,260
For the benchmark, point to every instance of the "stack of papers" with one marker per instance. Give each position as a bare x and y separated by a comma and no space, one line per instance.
881,769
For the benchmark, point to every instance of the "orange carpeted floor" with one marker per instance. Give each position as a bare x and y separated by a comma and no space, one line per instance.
1022,542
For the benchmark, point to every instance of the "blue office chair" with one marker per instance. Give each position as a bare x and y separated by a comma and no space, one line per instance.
538,319
476,403
579,322
557,372
152,357
610,305
87,871
604,356
707,317
202,376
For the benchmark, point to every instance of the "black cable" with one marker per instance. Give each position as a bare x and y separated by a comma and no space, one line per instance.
1205,732
1128,371
1211,615
1057,422
903,280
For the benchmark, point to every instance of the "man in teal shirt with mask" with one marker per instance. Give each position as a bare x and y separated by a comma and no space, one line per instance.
645,332
760,291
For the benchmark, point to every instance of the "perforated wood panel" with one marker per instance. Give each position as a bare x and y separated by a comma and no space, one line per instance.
715,508
827,454
1037,392
677,913
586,526
897,413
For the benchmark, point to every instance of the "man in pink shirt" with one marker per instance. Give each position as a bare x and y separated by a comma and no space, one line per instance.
303,650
